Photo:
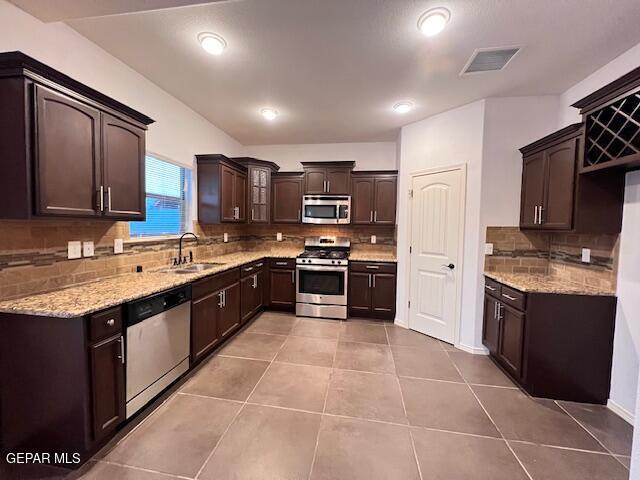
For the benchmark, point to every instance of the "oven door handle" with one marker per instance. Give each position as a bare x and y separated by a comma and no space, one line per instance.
322,268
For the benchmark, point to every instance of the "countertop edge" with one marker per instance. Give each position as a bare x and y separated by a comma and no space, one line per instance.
525,289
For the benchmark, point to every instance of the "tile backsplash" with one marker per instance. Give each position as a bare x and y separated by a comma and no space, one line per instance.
33,254
555,254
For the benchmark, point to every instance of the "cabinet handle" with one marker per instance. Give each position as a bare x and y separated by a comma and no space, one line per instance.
374,280
111,322
499,311
495,310
293,277
535,215
324,186
259,265
299,216
224,298
373,267
248,269
328,186
100,194
108,199
375,216
121,356
255,281
253,214
369,280
220,299
490,288
540,221
282,263
371,217
509,297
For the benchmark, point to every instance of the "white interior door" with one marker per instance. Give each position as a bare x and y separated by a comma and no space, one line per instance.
436,215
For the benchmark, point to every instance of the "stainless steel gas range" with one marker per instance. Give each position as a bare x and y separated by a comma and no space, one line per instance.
321,274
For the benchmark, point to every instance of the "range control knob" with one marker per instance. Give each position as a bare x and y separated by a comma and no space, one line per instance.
333,261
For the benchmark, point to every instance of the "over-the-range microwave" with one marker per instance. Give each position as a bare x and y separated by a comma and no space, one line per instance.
326,209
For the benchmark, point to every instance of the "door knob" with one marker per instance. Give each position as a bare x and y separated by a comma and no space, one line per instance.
450,266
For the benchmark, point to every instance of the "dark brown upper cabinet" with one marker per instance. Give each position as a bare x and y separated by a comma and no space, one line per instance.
258,188
612,123
555,197
286,197
374,197
222,190
333,178
68,150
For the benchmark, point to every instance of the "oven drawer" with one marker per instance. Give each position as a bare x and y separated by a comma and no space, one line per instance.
372,267
283,263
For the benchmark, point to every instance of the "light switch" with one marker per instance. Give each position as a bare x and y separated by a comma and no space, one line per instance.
74,250
374,239
279,236
225,237
586,255
87,249
118,246
488,248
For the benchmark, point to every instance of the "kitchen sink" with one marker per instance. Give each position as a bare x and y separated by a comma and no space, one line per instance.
191,268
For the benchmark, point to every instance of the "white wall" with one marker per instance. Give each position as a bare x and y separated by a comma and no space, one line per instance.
624,381
178,133
450,138
368,156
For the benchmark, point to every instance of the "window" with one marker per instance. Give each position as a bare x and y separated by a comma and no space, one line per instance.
168,199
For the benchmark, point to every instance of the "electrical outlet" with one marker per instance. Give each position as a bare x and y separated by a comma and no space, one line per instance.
74,250
87,249
225,237
279,236
488,248
118,246
374,239
586,255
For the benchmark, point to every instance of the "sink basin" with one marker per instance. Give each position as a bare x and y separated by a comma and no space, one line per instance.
191,268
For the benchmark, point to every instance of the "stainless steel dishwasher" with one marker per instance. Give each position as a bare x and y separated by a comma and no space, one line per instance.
157,344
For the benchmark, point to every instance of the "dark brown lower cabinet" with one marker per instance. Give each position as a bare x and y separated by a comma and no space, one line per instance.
252,293
204,325
108,389
282,284
372,290
553,345
229,319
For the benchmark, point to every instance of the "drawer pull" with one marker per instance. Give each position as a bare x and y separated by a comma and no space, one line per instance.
248,269
373,267
490,288
259,265
282,263
509,297
111,322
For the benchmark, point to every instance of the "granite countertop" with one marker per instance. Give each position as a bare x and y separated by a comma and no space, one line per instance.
545,284
365,256
81,300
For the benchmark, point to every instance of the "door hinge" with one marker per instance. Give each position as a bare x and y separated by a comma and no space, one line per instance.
410,249
411,193
409,304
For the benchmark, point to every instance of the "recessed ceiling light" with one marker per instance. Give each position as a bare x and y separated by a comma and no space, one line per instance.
269,113
433,21
403,107
212,43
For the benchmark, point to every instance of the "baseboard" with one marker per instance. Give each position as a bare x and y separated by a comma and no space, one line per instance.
401,323
621,412
473,350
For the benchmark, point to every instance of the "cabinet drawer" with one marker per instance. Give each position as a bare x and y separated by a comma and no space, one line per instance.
372,267
513,297
283,263
105,324
251,268
492,287
214,283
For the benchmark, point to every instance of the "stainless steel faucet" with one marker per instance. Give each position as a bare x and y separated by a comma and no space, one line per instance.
180,260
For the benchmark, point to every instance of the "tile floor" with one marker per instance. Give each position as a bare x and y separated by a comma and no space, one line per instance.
306,399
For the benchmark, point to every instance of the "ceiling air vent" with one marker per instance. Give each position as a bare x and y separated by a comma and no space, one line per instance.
489,59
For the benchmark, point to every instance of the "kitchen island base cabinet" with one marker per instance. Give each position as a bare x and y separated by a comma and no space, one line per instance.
557,346
372,290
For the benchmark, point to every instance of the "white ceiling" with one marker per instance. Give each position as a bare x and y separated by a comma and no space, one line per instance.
56,10
334,68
